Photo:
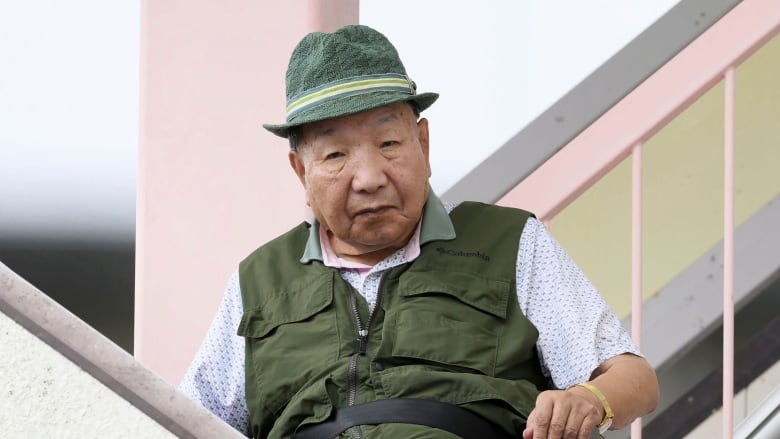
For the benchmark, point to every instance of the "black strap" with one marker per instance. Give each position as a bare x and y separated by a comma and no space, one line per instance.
443,416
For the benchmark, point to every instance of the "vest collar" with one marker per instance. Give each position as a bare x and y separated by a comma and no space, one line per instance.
436,225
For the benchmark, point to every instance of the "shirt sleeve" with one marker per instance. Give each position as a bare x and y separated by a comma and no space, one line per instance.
215,378
577,329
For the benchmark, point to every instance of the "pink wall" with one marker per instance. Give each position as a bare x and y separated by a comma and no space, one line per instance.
212,183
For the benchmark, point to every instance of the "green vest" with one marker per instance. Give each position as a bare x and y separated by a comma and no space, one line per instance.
447,326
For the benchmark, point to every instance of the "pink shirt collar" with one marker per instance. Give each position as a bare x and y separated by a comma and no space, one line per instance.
330,259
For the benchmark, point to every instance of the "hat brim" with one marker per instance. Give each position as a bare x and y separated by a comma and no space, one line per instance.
351,105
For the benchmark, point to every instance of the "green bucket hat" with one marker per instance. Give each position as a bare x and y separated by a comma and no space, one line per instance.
351,70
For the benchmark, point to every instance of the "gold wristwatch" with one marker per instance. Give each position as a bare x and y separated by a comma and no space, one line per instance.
608,415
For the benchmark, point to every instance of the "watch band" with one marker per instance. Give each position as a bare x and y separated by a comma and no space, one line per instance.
606,422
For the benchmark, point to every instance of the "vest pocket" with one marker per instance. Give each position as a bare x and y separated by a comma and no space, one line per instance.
303,299
287,337
456,322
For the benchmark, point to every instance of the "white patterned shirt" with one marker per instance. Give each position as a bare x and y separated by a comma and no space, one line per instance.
577,329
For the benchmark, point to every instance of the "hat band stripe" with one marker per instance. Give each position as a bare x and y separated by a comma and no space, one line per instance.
348,87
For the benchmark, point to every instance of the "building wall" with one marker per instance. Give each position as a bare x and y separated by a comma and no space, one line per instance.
43,394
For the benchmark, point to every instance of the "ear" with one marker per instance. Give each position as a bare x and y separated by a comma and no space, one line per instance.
296,162
422,137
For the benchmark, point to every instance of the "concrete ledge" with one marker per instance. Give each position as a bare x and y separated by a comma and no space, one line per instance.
105,361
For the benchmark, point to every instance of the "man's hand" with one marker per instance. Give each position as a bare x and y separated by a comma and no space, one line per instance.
559,414
626,381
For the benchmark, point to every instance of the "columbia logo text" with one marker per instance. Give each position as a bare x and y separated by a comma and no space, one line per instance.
468,254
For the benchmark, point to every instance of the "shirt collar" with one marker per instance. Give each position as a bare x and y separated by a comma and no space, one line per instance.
436,225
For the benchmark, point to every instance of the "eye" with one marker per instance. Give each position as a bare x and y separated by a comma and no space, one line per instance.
388,143
334,155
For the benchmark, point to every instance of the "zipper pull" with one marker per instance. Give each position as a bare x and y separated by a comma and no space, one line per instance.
362,341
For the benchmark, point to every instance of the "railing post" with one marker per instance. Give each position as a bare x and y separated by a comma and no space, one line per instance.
636,260
728,257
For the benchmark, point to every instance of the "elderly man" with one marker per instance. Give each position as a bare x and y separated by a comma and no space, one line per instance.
394,315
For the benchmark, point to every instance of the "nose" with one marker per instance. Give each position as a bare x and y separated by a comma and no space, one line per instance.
369,171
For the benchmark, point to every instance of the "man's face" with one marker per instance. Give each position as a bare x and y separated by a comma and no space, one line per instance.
366,178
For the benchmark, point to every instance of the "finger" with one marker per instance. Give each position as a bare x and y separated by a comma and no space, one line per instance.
582,420
539,419
559,426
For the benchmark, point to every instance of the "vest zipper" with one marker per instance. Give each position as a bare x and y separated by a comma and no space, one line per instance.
362,340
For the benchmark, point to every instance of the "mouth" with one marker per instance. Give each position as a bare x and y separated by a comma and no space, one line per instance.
372,211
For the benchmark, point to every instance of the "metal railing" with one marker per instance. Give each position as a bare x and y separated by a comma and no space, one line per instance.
679,84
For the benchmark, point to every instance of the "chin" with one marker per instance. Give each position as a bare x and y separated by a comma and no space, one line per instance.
378,241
